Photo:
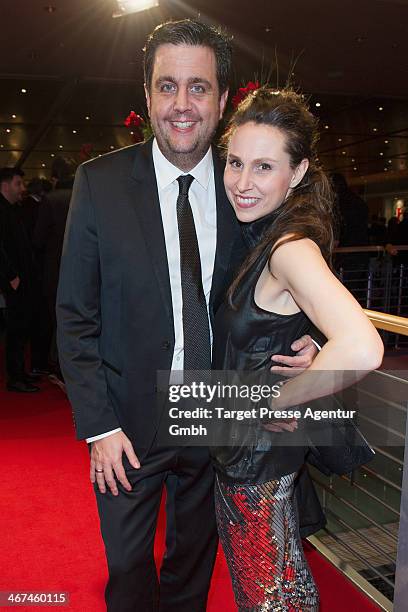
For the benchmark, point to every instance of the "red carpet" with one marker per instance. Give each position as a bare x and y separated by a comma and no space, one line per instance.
49,525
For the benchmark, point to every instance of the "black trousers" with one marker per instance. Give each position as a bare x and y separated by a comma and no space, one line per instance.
26,320
18,325
41,330
128,525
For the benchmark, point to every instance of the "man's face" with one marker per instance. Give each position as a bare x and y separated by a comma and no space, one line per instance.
13,190
184,102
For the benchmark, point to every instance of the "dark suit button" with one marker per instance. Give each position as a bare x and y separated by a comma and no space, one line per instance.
165,345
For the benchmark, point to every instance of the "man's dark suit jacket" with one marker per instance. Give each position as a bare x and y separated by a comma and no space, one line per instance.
114,306
16,256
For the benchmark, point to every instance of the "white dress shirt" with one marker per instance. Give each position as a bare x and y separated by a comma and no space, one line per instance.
203,205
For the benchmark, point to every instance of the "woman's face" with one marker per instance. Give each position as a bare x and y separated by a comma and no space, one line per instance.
258,176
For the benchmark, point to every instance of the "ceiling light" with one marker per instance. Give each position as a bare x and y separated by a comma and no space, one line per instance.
339,139
390,161
126,7
42,165
112,147
354,168
61,146
317,104
353,160
8,130
14,116
343,152
381,153
326,127
23,90
52,155
375,130
87,118
386,141
380,108
74,131
1,146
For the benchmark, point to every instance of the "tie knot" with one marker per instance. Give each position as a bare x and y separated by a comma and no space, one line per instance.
184,182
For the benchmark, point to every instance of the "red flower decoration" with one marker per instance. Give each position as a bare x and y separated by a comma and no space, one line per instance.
243,92
133,120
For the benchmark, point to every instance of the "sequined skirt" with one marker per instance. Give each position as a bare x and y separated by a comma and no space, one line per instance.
259,533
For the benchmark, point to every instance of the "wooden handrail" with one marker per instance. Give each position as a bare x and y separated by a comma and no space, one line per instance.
388,322
371,249
360,249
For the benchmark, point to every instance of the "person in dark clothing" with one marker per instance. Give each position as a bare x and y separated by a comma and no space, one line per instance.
48,238
31,204
351,225
401,238
17,279
393,231
402,230
378,230
40,329
352,212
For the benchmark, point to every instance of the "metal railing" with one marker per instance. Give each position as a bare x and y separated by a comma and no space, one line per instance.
363,509
377,276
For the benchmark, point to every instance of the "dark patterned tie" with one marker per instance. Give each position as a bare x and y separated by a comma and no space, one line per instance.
197,351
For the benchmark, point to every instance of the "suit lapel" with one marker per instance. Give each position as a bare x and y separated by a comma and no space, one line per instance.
145,198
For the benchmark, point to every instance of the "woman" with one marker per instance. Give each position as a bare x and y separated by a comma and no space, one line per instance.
285,285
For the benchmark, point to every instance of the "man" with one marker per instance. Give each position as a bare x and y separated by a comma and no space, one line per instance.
352,212
150,246
17,279
48,238
39,333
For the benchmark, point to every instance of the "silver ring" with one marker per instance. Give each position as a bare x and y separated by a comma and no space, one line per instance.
99,471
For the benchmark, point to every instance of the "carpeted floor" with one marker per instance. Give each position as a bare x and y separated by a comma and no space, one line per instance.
49,525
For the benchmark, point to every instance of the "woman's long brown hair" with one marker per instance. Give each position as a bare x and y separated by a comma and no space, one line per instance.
308,211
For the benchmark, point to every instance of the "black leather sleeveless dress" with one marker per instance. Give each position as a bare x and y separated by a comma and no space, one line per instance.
255,488
245,338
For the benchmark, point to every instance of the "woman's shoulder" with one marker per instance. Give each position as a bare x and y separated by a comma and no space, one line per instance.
289,244
290,252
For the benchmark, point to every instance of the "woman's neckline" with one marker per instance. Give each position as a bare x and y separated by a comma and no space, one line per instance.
254,231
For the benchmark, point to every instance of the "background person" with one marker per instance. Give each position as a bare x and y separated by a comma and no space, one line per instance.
18,279
48,238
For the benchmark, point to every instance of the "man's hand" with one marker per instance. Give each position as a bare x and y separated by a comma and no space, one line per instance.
306,351
15,283
106,462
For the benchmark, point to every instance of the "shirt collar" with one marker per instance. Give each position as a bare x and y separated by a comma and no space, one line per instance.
166,173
